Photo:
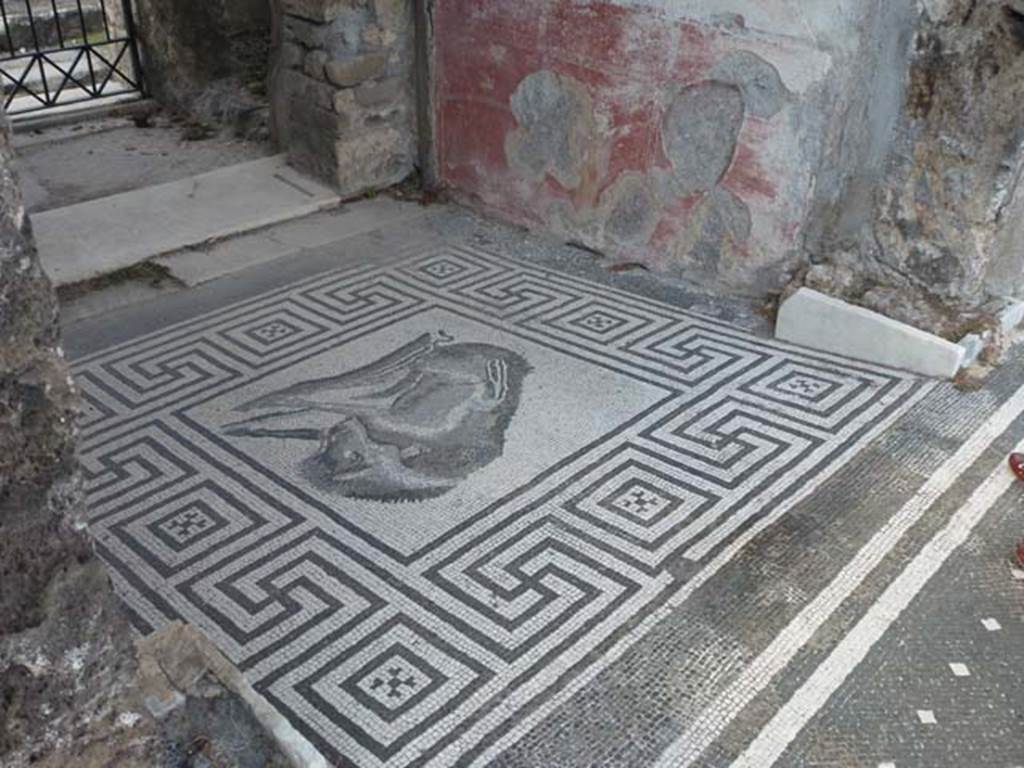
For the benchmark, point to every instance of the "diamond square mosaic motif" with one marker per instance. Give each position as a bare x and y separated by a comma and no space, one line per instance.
415,501
443,269
181,528
276,330
638,499
805,386
394,682
599,322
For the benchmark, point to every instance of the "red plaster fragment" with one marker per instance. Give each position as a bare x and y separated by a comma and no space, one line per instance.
745,177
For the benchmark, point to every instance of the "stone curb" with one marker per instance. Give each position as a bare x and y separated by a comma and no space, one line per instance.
821,322
179,655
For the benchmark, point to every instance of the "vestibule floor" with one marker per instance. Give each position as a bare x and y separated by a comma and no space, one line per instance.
447,499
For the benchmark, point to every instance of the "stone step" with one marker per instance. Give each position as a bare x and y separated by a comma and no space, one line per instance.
99,236
814,320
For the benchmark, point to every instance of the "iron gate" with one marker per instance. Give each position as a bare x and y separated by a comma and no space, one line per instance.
59,52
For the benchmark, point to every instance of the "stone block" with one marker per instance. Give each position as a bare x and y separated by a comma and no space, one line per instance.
303,89
395,15
313,136
821,322
376,36
344,35
316,10
292,55
313,65
381,93
345,102
79,242
973,344
398,117
374,160
346,73
1011,318
305,33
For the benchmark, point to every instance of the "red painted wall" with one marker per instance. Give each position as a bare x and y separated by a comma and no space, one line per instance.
630,62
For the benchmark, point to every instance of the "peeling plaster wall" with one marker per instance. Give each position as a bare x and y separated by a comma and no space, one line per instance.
699,137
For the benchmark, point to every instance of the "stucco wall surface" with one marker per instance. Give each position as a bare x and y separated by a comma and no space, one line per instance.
687,135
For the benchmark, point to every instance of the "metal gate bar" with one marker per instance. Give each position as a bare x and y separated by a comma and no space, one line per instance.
62,52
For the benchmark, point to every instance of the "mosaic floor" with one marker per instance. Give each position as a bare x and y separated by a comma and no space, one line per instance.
424,504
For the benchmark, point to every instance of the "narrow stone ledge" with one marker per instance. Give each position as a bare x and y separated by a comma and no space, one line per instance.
821,322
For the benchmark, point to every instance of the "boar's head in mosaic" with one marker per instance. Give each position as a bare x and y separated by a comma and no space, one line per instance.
411,425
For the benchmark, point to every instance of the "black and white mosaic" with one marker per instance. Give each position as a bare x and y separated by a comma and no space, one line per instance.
422,504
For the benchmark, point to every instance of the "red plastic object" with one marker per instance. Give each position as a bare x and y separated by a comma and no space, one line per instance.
1017,464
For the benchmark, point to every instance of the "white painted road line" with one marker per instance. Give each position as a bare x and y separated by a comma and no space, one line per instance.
787,723
708,726
992,625
959,670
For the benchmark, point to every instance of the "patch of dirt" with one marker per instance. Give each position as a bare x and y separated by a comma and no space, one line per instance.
156,275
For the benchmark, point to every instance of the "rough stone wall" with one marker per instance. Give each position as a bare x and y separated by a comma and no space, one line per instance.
694,136
208,59
941,247
38,485
343,90
49,581
74,692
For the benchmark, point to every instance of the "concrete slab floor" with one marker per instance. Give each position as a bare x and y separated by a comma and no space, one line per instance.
452,495
65,165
